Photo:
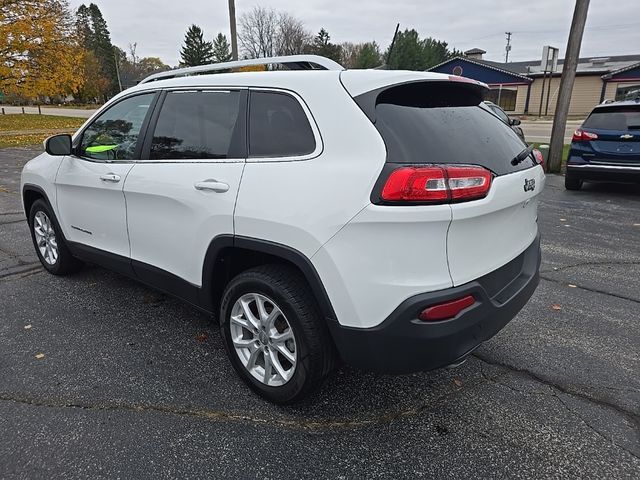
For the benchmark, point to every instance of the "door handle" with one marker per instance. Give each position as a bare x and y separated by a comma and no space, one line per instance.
110,177
213,185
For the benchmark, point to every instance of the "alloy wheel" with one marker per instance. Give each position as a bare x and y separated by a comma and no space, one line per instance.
263,339
45,238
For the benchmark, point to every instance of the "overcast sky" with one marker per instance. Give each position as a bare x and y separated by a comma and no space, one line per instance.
613,27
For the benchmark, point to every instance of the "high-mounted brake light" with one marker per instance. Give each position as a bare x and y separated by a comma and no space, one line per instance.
437,184
582,136
458,78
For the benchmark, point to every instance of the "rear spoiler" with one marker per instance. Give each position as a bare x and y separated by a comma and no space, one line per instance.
454,92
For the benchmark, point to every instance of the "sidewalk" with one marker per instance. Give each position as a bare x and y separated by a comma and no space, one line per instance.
57,111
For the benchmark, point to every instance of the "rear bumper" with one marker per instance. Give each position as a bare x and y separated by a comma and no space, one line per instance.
614,173
404,344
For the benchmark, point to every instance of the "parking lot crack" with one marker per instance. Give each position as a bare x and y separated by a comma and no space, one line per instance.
591,264
21,220
552,393
592,428
591,289
311,426
631,415
20,271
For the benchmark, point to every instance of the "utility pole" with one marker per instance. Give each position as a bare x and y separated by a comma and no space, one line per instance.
566,84
508,47
115,57
232,25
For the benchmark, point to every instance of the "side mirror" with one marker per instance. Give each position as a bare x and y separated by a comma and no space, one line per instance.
515,121
58,145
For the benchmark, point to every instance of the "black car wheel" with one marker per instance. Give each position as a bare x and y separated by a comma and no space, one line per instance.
49,242
572,182
274,333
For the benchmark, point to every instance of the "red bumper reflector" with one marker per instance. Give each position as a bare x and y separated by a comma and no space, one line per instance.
444,311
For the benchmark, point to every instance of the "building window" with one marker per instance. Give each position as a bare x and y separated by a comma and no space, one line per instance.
505,97
457,70
628,92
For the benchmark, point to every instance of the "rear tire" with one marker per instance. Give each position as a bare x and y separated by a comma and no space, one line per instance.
262,306
49,242
572,183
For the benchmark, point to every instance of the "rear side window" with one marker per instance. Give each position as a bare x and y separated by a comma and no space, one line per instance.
614,118
443,123
197,125
278,126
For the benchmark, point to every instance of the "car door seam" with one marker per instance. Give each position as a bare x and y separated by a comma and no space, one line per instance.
126,207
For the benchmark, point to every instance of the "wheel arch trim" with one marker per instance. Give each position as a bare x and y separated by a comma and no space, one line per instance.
29,187
221,243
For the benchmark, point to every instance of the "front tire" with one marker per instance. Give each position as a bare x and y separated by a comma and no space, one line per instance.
49,242
572,183
274,333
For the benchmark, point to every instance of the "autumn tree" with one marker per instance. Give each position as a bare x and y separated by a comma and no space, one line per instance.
195,50
221,49
39,48
94,84
134,68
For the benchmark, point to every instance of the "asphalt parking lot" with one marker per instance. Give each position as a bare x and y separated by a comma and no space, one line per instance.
134,384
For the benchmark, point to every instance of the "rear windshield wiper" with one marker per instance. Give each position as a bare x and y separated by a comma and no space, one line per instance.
522,155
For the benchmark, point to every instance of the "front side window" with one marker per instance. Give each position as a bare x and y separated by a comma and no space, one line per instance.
278,126
114,134
197,125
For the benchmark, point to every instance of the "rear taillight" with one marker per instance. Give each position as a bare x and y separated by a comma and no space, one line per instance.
437,184
582,136
539,157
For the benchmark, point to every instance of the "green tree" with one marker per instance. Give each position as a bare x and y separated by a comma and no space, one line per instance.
368,56
410,52
321,45
221,49
95,37
195,50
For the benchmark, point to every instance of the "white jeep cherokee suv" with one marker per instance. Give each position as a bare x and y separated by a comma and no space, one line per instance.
382,218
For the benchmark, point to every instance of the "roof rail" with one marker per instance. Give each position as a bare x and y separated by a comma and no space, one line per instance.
294,62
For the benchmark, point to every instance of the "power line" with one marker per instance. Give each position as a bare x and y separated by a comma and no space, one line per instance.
595,27
556,30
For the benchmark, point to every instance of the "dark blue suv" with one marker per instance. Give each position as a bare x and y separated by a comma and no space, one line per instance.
607,146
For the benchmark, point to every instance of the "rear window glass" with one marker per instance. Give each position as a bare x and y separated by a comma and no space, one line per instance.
278,126
614,118
431,123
